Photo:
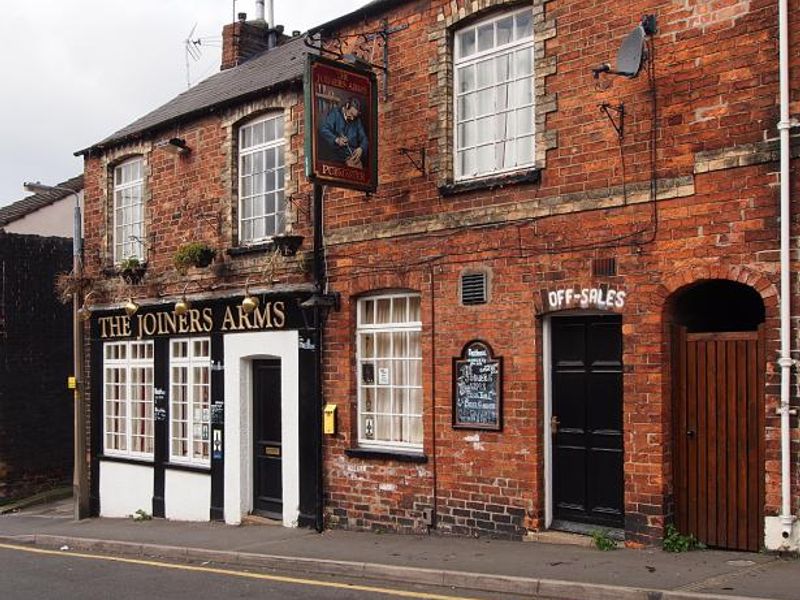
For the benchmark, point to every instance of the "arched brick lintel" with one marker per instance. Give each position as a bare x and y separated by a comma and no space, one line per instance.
703,272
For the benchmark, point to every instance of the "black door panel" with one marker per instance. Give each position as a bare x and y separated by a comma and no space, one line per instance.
267,446
587,410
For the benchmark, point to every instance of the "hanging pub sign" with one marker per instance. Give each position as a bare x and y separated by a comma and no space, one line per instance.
477,388
341,125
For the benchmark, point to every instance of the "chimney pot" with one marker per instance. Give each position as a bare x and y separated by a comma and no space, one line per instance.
242,17
296,33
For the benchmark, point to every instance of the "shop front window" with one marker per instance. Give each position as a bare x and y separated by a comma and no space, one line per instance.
190,394
128,399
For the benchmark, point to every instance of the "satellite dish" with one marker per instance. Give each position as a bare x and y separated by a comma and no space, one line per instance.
631,53
629,57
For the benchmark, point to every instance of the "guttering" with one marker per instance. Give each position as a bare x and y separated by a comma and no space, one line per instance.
785,362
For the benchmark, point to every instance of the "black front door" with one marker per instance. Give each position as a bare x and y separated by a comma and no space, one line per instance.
268,453
587,419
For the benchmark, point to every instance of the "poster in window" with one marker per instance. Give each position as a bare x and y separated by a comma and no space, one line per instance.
477,388
341,124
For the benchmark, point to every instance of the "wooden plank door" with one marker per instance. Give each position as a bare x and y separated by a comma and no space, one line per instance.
718,431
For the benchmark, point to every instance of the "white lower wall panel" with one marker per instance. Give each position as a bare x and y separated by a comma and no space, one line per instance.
125,488
187,496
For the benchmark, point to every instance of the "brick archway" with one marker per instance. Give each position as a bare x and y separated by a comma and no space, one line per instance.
664,302
703,272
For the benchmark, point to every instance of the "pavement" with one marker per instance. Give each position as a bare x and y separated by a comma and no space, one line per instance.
554,566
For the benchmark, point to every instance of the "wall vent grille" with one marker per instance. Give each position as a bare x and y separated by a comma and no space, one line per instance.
604,267
473,289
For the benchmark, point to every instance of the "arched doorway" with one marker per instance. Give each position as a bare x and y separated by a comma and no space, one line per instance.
718,413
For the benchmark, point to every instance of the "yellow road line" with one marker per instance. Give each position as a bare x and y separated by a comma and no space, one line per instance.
230,572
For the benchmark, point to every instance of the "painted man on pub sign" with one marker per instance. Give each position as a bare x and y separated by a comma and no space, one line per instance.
343,136
341,126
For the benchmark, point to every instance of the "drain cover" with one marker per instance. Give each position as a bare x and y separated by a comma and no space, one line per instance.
741,563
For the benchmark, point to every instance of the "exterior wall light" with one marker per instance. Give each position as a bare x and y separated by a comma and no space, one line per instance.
84,312
317,307
131,308
250,303
183,305
175,146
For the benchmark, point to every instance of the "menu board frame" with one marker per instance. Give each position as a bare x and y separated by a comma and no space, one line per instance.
477,353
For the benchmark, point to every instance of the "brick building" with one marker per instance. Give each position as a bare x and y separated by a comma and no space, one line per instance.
559,309
597,256
184,207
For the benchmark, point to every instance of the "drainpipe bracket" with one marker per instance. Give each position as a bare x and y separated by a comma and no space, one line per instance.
794,122
787,363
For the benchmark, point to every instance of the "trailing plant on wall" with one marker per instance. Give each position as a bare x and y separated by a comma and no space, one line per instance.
194,254
67,284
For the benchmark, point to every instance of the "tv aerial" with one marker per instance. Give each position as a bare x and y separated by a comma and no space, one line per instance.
632,53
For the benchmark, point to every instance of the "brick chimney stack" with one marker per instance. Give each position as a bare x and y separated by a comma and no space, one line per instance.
243,40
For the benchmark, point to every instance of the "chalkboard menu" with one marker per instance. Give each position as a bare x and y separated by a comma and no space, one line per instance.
477,388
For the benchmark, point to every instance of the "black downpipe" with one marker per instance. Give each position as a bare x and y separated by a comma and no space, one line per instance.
319,279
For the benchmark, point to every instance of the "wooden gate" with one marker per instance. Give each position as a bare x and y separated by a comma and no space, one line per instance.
718,432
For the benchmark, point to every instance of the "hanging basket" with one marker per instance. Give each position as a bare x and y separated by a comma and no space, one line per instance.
194,254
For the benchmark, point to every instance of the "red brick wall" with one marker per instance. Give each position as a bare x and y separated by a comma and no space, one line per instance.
716,88
193,198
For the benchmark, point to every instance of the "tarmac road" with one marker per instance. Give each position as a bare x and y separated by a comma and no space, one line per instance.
29,573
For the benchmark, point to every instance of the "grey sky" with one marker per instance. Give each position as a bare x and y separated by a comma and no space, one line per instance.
75,71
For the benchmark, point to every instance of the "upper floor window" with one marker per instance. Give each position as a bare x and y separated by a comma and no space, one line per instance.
493,96
129,210
261,179
390,372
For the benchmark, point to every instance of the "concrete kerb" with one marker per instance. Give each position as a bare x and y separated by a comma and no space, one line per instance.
484,582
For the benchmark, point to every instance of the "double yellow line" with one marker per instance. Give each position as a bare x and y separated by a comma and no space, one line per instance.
232,573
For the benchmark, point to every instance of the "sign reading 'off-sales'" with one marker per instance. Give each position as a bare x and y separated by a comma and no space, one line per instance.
602,297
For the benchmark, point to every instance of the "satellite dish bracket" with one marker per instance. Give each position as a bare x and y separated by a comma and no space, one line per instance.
619,123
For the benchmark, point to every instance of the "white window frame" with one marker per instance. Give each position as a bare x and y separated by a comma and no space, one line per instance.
472,60
278,216
133,246
190,362
128,364
408,326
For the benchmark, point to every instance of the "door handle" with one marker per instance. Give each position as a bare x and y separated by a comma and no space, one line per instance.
554,423
690,432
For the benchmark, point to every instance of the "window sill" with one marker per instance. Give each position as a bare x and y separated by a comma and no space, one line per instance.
398,455
128,460
251,248
176,466
491,183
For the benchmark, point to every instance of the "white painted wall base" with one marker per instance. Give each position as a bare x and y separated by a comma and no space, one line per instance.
240,350
773,535
187,496
125,488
